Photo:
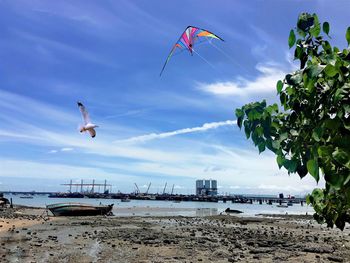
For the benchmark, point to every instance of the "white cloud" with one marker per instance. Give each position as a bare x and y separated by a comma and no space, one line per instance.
32,169
152,136
15,135
67,149
28,108
241,87
53,46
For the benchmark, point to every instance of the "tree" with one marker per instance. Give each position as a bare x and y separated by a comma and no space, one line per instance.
311,133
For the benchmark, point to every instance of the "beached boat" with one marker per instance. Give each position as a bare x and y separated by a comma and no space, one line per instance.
79,209
233,211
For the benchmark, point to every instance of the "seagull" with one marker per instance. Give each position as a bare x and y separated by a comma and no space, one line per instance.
88,125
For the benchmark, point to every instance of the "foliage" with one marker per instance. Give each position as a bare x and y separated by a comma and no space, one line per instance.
311,134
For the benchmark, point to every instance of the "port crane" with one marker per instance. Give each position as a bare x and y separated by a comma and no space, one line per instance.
137,191
164,188
149,185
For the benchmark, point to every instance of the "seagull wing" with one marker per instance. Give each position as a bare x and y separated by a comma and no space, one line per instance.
84,112
92,132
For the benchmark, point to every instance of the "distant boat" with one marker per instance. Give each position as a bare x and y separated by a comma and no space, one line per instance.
26,197
126,199
282,206
289,203
233,211
79,209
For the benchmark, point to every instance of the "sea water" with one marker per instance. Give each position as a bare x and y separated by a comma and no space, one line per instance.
167,208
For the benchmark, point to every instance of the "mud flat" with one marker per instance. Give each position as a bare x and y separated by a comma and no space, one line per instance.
27,236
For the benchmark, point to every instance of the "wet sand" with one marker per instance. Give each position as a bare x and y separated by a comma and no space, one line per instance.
25,236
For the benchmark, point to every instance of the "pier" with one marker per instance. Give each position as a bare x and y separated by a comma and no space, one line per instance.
93,190
243,199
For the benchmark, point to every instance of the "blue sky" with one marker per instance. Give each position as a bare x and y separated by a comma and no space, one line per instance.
176,128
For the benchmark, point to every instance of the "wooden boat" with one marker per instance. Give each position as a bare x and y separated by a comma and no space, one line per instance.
79,209
233,211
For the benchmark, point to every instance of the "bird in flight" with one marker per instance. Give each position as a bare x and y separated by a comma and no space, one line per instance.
88,126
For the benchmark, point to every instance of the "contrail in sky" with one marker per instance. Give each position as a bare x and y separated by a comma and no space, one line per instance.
204,127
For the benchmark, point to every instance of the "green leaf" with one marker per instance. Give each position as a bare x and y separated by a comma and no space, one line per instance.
239,115
325,151
309,199
291,39
314,70
317,194
279,86
347,35
254,115
294,132
272,108
298,53
261,147
239,122
292,166
280,160
317,133
283,99
313,169
283,136
335,181
295,79
305,21
315,31
330,70
246,129
342,157
325,27
302,170
259,130
276,144
332,124
327,47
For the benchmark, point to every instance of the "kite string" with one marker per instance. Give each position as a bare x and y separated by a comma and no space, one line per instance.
210,64
227,55
204,59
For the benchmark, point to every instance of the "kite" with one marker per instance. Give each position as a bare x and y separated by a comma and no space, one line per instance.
187,40
88,126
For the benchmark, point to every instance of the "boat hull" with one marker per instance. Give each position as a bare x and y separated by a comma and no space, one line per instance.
233,211
76,209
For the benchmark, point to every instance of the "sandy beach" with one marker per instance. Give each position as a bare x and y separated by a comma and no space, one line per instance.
26,236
